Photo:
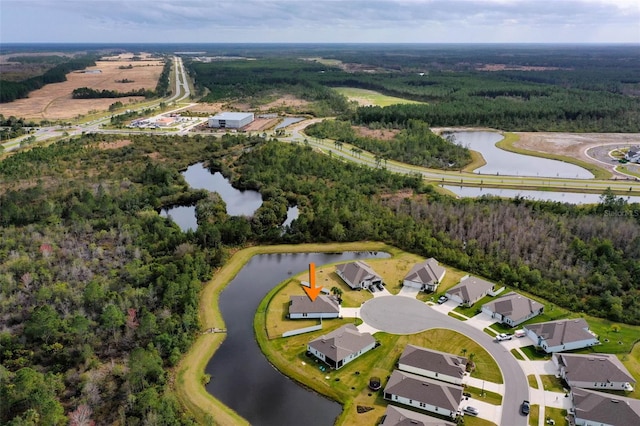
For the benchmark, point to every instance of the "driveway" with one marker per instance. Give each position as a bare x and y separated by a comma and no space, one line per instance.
390,314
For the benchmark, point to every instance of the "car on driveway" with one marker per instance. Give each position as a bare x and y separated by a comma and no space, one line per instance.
442,299
472,411
525,407
503,336
380,287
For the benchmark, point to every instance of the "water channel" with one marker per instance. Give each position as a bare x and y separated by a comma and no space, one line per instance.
501,162
241,377
563,197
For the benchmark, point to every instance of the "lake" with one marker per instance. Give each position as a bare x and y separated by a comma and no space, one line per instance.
501,162
241,377
564,197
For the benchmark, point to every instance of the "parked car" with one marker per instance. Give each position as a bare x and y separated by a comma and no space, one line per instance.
472,411
380,287
525,407
442,299
372,288
519,333
503,336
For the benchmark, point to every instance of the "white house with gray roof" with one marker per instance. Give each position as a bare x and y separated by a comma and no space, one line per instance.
594,371
563,335
425,276
591,408
324,306
358,275
513,309
397,416
433,364
469,290
341,346
422,393
633,154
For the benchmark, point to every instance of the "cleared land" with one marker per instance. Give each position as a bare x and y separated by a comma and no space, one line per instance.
370,97
54,101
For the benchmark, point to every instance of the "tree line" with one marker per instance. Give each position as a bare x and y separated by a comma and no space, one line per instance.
89,93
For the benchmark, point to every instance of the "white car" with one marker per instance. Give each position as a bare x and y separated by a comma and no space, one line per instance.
472,411
503,336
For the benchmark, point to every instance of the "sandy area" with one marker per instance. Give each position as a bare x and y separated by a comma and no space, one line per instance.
54,101
383,134
114,145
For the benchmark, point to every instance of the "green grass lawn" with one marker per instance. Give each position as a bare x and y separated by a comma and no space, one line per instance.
486,396
456,316
533,383
517,355
372,97
534,415
533,354
556,414
475,309
476,421
552,383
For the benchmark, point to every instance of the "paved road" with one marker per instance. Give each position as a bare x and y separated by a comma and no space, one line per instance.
389,313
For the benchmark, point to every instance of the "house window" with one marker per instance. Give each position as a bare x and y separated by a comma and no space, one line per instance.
395,397
411,401
422,405
304,314
436,374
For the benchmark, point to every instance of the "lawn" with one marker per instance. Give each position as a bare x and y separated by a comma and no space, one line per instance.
517,355
475,309
556,414
476,421
484,396
533,383
370,97
632,362
534,415
456,316
326,277
536,355
552,383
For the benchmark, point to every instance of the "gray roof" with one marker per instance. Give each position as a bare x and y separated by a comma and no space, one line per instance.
396,416
561,332
427,272
232,115
439,362
597,368
358,271
514,306
606,408
342,342
470,289
324,304
421,389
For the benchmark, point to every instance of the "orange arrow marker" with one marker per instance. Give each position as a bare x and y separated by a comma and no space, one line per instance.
312,291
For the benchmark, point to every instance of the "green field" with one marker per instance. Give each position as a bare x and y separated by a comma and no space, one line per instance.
372,97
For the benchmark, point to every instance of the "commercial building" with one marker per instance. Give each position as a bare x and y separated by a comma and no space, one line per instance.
231,120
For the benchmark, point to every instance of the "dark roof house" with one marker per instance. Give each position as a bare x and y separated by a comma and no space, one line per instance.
594,371
591,407
563,335
469,290
513,309
358,274
324,306
425,275
434,364
396,416
341,346
420,392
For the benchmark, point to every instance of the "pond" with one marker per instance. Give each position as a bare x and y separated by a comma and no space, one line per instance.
504,162
287,121
241,376
292,214
239,203
564,197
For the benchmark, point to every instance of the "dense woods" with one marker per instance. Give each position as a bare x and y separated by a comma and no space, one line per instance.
88,93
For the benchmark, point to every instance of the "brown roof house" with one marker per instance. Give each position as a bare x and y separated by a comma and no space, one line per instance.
433,364
396,416
425,276
422,393
563,335
594,371
324,306
591,408
513,309
469,290
358,275
341,346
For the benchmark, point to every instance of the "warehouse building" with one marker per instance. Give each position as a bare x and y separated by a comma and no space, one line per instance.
231,120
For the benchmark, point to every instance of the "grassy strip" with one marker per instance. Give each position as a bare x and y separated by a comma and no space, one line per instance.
477,421
456,316
556,414
490,332
533,354
517,355
188,374
477,161
475,309
626,171
533,383
508,144
376,98
551,383
486,396
534,415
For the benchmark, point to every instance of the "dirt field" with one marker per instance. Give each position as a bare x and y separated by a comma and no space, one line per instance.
260,124
54,102
574,144
383,134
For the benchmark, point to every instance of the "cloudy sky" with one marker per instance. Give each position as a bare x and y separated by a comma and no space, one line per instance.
332,21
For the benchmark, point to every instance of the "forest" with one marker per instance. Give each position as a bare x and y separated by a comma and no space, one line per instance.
89,93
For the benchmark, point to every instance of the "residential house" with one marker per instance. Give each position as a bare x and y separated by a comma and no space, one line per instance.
425,276
358,275
469,290
422,393
433,364
323,306
396,416
513,309
633,154
563,335
594,371
341,346
591,408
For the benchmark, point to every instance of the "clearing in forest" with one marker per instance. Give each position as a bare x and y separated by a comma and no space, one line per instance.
366,97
